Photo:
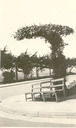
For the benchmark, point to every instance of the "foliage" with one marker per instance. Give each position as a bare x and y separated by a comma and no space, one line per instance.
53,34
8,76
6,59
59,66
70,62
38,62
46,31
24,62
47,62
7,62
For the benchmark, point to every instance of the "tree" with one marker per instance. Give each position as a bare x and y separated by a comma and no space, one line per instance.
16,67
47,62
35,63
38,63
8,76
6,59
53,34
24,62
70,62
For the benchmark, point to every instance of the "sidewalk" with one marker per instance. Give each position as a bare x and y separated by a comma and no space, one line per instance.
18,105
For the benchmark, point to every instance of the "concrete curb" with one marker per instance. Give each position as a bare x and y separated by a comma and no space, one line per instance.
21,83
43,114
67,121
40,114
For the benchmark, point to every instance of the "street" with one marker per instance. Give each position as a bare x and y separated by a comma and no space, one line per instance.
5,122
19,89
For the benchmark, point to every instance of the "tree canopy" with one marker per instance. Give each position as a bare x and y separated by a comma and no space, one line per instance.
46,31
52,34
7,59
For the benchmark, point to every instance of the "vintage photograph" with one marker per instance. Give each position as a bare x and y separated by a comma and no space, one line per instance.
38,63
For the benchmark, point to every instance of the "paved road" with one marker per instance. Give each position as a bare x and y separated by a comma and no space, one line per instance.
5,122
15,90
7,92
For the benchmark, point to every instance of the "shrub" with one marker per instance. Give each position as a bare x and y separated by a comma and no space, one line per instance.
8,76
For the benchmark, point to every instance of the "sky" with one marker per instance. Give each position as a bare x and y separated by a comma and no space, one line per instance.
15,14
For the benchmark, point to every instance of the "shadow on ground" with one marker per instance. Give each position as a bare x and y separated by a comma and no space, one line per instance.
70,94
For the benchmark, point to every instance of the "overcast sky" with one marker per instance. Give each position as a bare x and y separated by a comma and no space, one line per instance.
15,14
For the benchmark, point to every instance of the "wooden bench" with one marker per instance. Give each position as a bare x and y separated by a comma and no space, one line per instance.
55,86
51,87
36,89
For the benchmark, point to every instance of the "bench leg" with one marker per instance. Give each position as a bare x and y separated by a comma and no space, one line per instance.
43,97
33,97
26,97
50,95
40,95
56,97
64,94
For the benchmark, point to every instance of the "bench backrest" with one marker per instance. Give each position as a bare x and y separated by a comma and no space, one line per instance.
58,84
36,87
39,86
45,86
53,84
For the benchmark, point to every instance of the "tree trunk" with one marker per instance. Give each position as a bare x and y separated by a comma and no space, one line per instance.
71,69
31,74
16,71
50,72
25,76
37,72
59,67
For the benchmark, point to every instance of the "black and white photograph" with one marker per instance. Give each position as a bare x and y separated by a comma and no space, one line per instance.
38,63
